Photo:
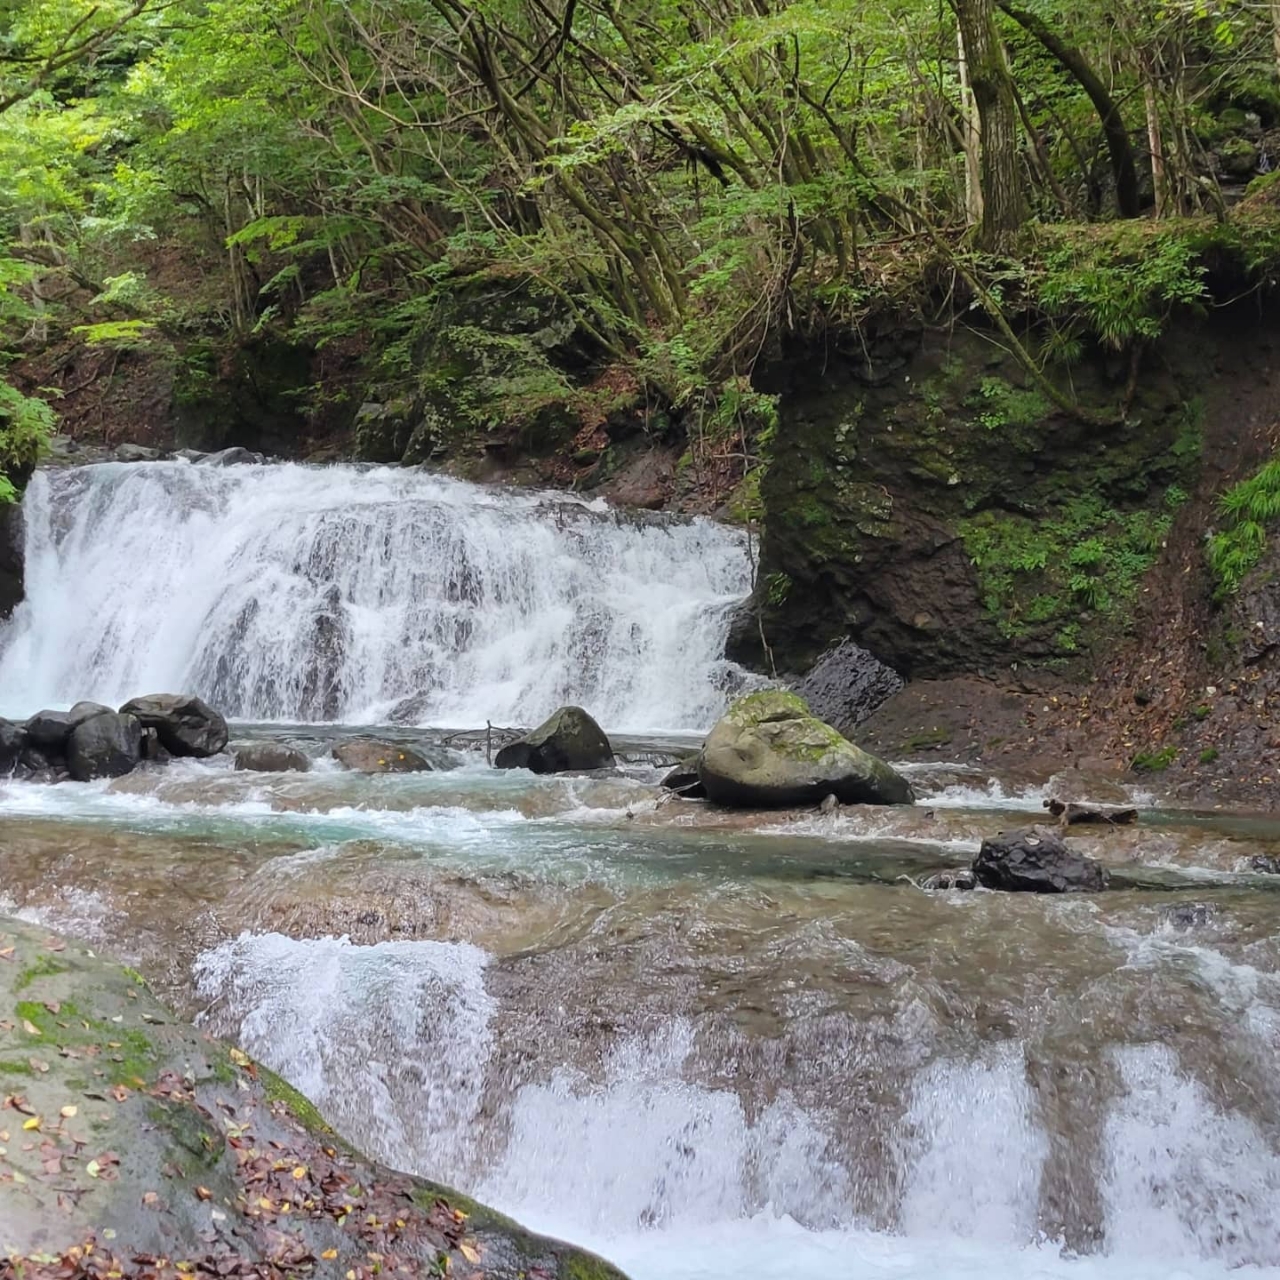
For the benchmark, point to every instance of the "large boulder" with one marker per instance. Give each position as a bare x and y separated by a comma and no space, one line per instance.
272,757
1036,860
569,741
236,456
176,1155
49,731
186,725
371,755
104,746
769,752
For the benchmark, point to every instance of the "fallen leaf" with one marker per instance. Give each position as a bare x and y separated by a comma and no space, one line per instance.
55,944
93,1168
239,1058
329,1254
203,1193
33,1123
119,1092
469,1252
299,1173
36,1065
149,1198
53,1006
6,953
68,1111
30,1027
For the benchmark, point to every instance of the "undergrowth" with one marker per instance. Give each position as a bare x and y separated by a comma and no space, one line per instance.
1247,509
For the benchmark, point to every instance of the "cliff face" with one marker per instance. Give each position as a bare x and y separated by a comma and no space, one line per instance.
926,501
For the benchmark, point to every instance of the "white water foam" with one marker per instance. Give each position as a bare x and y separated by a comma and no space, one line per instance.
675,1180
389,1041
286,592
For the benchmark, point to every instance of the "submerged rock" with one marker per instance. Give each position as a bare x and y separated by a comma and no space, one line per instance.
272,757
233,457
770,752
178,1147
371,755
107,745
684,781
185,724
1036,860
1189,915
569,741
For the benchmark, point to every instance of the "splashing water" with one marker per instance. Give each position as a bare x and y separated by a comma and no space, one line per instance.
286,592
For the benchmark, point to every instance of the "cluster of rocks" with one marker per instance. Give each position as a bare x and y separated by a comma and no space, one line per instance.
93,741
69,452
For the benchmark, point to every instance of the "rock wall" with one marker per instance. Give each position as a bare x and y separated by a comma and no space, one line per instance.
923,499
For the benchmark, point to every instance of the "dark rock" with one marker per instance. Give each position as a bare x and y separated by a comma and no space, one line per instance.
370,755
1238,158
769,752
846,685
569,741
1189,915
1069,814
1036,860
233,457
1265,864
186,725
684,781
11,543
961,878
135,453
153,750
50,730
272,757
13,738
829,805
104,746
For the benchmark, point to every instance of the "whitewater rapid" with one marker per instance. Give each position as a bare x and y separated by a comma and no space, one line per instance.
304,594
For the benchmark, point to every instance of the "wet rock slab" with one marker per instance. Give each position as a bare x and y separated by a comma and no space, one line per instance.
135,1146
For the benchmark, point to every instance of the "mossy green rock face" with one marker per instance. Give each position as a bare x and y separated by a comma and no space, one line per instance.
569,741
770,752
128,1132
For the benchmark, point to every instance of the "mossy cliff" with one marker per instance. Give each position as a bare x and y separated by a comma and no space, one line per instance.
924,499
132,1145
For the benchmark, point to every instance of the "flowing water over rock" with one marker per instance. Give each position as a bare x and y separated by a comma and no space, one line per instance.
299,593
713,1045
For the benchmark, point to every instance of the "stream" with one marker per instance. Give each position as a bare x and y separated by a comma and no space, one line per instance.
711,1045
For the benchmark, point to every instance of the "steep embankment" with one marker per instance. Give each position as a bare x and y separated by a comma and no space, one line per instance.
1041,579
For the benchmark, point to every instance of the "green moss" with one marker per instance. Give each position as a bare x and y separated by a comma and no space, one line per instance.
277,1089
134,976
45,967
128,1054
1086,558
1208,755
584,1266
14,1068
926,739
480,1216
1154,761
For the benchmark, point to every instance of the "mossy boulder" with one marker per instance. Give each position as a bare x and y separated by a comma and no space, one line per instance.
134,1145
770,752
569,741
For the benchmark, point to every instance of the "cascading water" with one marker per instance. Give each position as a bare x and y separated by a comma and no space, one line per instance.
285,592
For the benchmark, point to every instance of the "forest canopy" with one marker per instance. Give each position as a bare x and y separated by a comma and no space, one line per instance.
645,195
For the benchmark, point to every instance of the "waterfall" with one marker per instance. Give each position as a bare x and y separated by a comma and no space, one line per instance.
286,592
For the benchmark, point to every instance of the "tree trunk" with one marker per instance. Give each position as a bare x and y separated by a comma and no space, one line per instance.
1159,177
972,140
1119,147
1002,205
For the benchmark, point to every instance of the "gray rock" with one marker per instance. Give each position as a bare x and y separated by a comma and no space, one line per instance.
1265,864
569,741
49,730
272,757
770,752
1036,860
846,685
684,781
13,738
185,724
961,878
1189,915
372,755
234,457
135,453
104,746
190,455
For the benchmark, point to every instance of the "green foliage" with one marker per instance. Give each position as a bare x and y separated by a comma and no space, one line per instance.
1088,559
26,423
1247,511
1118,287
1208,755
1155,760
